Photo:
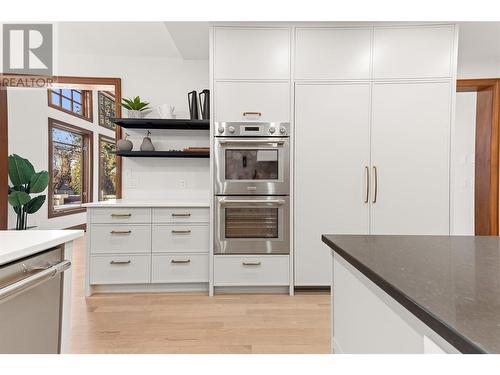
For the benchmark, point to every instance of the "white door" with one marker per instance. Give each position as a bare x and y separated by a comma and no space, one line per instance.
332,152
410,151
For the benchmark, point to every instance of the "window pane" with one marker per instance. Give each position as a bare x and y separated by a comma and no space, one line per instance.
77,96
67,169
56,90
107,170
77,108
66,104
54,98
66,93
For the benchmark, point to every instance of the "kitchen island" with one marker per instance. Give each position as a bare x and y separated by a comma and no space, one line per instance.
34,300
415,294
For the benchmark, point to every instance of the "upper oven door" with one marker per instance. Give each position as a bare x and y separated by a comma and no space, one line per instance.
252,166
252,225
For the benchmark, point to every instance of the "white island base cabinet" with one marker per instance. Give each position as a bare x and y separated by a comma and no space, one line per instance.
147,249
366,320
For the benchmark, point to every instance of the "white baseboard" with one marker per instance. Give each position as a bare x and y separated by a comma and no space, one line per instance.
150,288
252,289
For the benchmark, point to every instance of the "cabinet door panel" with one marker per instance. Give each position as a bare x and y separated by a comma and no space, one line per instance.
332,150
270,99
332,53
410,149
252,53
413,52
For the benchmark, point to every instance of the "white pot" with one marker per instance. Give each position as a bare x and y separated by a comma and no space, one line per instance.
134,114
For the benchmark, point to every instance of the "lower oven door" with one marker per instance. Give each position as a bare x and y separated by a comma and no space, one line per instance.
252,225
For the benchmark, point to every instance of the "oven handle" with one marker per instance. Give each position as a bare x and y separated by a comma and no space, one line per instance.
256,201
250,141
35,279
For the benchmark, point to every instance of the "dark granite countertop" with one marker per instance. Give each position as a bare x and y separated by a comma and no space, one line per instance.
451,283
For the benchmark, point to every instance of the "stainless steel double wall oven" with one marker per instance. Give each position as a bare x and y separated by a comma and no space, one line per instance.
252,187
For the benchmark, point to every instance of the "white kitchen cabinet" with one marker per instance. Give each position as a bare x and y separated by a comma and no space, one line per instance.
410,146
120,238
332,53
179,268
251,270
120,269
180,238
332,123
251,53
250,101
413,52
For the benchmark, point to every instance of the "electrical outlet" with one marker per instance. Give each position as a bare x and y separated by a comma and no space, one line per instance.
182,184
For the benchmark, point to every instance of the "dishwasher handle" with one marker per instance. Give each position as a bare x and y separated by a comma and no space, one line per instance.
33,280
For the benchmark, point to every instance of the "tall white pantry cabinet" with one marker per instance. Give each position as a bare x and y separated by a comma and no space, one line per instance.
372,114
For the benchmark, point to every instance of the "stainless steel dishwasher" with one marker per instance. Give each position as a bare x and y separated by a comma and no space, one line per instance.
31,303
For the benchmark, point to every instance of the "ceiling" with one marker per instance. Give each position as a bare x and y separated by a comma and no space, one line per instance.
189,40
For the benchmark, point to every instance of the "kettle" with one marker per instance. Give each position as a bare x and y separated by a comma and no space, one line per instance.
205,104
193,105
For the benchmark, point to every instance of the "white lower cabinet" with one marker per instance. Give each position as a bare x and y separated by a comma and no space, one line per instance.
180,268
168,245
120,269
251,270
118,238
180,238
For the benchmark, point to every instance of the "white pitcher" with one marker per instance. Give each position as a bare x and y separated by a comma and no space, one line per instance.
166,111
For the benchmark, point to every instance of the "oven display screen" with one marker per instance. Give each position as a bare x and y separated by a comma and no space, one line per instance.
252,128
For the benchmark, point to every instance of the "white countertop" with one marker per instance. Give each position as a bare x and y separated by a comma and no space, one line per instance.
148,203
16,244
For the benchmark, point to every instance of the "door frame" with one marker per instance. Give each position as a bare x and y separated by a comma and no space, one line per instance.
487,153
4,139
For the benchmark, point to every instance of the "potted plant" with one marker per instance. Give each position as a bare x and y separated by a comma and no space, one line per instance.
25,182
135,106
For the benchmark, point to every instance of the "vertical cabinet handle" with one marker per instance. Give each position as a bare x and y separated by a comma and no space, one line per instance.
375,188
367,190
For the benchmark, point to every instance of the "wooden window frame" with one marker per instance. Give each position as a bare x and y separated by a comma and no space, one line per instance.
102,138
87,181
104,93
87,104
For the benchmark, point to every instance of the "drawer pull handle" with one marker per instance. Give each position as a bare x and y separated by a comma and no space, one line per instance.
121,215
182,231
120,232
180,261
252,113
120,262
251,263
182,215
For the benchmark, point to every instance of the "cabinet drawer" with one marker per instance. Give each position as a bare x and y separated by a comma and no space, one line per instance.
180,238
181,215
120,269
252,53
251,270
120,215
413,52
120,238
326,53
233,101
180,268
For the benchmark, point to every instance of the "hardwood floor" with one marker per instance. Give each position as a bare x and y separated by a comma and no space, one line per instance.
196,323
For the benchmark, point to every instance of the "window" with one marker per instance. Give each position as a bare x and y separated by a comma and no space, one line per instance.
75,102
70,168
107,109
107,168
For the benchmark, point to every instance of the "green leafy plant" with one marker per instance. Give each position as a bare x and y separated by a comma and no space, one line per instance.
135,104
25,182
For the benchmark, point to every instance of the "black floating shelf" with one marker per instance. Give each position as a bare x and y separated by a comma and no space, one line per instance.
163,154
159,123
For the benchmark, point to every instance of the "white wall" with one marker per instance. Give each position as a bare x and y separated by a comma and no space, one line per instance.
28,113
158,81
463,167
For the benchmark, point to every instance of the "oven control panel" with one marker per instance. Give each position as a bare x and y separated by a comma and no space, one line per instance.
252,129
